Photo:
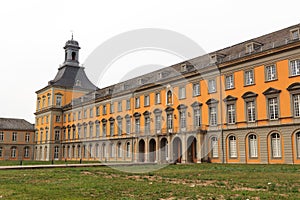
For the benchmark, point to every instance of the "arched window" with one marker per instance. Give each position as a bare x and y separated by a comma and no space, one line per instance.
73,55
112,150
56,151
253,149
276,145
214,147
14,152
298,144
128,149
119,150
232,147
103,151
169,97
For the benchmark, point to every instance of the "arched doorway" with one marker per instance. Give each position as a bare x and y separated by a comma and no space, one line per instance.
164,150
142,151
177,150
152,150
191,150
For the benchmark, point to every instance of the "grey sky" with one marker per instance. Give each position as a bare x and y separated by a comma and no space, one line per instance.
34,32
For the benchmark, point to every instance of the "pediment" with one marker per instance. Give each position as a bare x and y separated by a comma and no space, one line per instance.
230,98
196,104
294,86
249,95
271,91
211,101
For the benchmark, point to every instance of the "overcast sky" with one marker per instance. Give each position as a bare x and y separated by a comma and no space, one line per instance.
33,34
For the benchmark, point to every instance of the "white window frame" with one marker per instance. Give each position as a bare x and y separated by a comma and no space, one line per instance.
271,72
295,67
182,92
276,145
146,100
231,114
273,106
157,98
196,89
251,111
214,147
213,116
212,86
249,77
253,146
232,141
296,105
229,81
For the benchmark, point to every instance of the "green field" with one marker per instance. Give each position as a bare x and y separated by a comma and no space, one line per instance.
197,181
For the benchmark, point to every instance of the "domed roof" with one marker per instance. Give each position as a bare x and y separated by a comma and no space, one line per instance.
72,43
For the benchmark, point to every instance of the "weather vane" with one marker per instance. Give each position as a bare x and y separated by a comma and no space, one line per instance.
72,33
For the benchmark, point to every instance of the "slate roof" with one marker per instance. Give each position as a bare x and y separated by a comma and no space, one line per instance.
72,77
15,124
196,65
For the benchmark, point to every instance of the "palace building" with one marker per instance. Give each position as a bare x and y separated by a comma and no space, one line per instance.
240,104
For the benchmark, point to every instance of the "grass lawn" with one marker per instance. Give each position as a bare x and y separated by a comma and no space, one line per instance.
197,181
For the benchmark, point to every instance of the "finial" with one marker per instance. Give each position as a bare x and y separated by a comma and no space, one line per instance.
72,35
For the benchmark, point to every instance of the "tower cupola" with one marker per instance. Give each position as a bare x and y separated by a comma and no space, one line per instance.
71,53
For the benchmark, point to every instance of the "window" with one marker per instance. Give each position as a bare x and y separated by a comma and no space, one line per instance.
97,130
231,113
169,97
119,127
56,151
249,48
112,150
182,94
14,136
84,132
112,108
74,116
79,132
128,125
273,108
276,145
13,152
27,137
91,112
38,104
147,124
119,150
58,100
295,67
170,121
249,77
250,111
43,104
298,144
26,152
79,115
157,98
104,110
215,147
213,116
197,117
146,100
270,73
229,82
212,86
295,34
252,139
128,104
296,103
69,117
182,118
128,150
56,135
1,136
57,118
97,111
104,129
137,102
137,125
232,147
112,128
1,152
196,89
91,130
120,106
84,113
158,123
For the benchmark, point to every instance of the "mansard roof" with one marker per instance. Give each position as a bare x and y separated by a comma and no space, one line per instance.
15,124
72,77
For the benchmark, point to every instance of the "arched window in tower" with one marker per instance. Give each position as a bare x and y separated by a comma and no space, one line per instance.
66,55
73,56
169,97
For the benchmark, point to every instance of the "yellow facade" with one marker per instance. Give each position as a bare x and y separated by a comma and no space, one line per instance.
241,109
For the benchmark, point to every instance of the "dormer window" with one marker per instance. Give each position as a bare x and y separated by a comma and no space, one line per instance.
183,68
159,75
140,81
295,34
251,47
217,58
78,83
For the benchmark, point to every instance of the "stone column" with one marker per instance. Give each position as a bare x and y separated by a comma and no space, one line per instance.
183,148
199,146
